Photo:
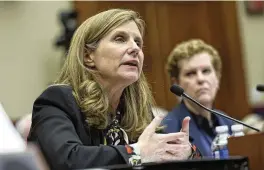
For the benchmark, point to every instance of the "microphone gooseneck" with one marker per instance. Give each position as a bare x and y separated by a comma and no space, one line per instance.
180,92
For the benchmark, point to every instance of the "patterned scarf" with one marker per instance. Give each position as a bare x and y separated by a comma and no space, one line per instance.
114,134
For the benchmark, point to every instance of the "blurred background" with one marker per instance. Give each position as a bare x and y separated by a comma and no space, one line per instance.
34,37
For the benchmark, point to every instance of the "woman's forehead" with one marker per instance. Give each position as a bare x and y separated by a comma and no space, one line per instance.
127,28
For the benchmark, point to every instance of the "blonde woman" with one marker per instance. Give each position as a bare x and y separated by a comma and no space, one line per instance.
98,112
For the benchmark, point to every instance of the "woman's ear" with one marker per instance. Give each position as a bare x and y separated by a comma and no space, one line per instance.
174,80
88,60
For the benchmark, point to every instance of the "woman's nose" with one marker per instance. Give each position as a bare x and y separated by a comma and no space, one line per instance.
200,77
134,48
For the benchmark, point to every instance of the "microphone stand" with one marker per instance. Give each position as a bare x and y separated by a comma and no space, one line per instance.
218,113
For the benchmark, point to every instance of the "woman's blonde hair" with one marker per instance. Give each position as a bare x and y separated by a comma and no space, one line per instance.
187,50
89,94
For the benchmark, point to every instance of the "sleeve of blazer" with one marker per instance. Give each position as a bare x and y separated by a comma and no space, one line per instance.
54,131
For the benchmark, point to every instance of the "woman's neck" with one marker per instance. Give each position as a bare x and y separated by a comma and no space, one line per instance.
197,110
114,93
114,96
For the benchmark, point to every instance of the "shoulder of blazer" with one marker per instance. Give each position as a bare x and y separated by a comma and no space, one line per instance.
172,121
59,96
178,113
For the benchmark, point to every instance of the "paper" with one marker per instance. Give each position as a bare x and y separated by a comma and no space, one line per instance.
10,139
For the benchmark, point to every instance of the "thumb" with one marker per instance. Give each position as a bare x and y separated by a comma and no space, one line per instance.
151,128
185,125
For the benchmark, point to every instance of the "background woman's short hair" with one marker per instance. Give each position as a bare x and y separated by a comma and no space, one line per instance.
187,50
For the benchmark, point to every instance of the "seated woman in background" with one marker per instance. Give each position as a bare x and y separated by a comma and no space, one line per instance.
196,67
98,112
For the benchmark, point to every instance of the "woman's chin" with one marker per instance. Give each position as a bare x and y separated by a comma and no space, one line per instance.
129,78
205,100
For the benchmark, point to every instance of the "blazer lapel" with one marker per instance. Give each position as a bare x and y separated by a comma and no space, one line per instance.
196,137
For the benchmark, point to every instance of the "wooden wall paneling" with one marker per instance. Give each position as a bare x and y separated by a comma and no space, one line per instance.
233,45
165,48
153,44
222,19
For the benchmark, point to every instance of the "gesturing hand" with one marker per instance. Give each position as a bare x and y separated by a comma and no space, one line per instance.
164,147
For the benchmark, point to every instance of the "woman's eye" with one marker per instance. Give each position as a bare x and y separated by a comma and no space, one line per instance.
120,39
139,44
207,71
188,74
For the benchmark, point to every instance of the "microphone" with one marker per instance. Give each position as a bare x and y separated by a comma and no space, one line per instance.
260,87
180,92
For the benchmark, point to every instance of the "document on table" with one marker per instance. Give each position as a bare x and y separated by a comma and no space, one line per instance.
10,139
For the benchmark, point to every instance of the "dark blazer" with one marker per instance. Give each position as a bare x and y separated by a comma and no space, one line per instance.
198,137
58,128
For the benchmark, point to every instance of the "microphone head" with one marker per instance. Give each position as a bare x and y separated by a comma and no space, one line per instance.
260,87
177,90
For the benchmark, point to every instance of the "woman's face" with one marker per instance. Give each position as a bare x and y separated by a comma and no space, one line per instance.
119,57
198,78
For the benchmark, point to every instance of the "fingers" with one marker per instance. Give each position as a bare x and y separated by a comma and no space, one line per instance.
177,141
169,152
178,149
150,129
185,125
178,153
170,137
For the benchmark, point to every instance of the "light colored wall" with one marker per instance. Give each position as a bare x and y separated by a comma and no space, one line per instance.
252,35
28,58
